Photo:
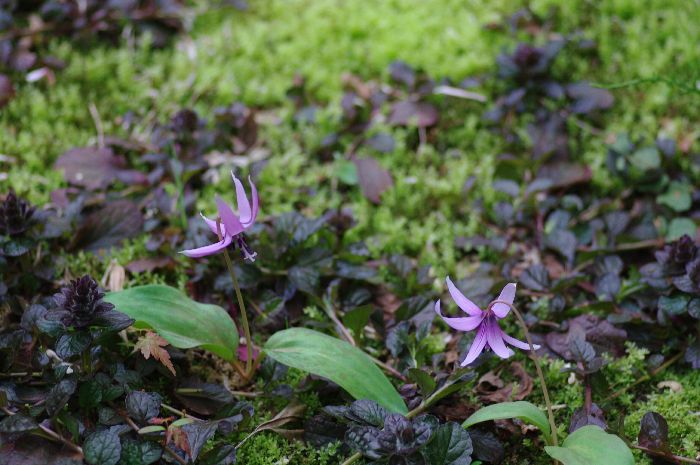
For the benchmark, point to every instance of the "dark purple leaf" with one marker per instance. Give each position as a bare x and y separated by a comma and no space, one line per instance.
409,113
580,418
382,142
486,445
692,355
374,179
653,432
90,167
108,226
588,99
7,90
402,72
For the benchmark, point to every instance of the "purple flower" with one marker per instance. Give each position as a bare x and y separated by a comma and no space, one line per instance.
229,227
485,322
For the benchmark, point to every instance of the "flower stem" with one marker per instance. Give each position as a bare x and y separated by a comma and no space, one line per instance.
536,359
244,316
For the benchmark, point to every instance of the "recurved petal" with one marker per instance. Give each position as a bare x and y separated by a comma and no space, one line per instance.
213,226
494,337
462,324
507,295
463,303
210,249
230,220
244,211
256,203
516,343
477,346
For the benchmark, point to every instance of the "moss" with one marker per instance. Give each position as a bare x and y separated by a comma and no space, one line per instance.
680,409
271,449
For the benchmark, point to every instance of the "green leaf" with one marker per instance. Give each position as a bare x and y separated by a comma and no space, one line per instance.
102,448
357,318
180,320
525,411
450,445
675,305
345,365
89,394
140,452
645,159
678,196
591,444
680,226
425,382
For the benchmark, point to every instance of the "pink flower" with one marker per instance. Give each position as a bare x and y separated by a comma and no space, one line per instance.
230,226
485,322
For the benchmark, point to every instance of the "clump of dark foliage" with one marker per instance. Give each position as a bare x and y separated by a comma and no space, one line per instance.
71,381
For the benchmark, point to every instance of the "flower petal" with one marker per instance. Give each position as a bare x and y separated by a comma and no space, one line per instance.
462,324
210,249
477,347
213,226
230,220
516,343
244,211
256,203
463,303
494,336
507,295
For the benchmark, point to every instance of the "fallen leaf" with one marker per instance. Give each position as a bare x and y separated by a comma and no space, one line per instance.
90,167
153,345
407,113
491,388
108,226
374,179
674,386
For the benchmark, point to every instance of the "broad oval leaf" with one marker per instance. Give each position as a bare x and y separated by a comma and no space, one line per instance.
180,320
525,411
336,360
591,444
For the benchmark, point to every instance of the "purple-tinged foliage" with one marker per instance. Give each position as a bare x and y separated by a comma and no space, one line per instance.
15,215
79,305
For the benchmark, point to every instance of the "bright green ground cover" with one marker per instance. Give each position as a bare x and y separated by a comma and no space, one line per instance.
253,57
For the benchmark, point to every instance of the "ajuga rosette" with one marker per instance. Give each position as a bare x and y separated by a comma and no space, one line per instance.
15,215
79,305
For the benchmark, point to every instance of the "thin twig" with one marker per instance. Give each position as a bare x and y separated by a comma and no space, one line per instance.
389,369
670,456
98,125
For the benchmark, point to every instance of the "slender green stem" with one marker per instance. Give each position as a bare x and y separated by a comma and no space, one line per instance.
244,317
550,413
241,306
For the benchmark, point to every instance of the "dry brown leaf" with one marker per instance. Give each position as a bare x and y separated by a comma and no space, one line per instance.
491,388
151,344
178,437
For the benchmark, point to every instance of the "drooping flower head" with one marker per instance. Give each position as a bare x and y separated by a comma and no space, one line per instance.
485,322
229,227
